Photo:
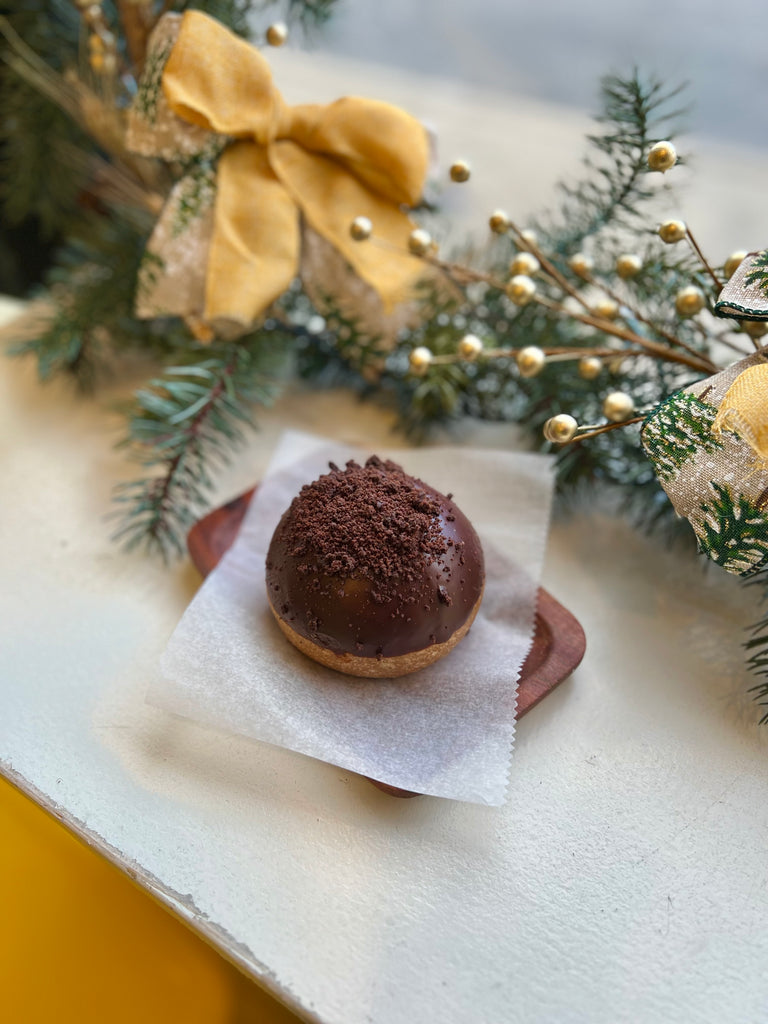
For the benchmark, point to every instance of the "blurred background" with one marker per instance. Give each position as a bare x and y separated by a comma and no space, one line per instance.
557,50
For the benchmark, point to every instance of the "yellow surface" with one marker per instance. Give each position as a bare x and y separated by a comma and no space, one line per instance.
80,942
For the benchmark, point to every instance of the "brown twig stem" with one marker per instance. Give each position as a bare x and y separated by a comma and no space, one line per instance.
641,318
695,245
457,272
558,354
652,348
549,268
605,428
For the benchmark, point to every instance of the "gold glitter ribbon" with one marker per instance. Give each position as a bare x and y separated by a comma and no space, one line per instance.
744,410
327,163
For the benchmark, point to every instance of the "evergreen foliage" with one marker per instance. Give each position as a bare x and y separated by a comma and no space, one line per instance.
184,424
612,194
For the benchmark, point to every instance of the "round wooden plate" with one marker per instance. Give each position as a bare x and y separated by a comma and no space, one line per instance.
558,642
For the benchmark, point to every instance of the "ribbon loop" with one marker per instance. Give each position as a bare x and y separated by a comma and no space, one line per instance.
744,410
353,157
217,81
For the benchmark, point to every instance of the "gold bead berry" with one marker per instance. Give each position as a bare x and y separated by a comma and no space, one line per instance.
470,347
590,367
460,171
690,300
419,242
733,263
607,308
560,429
755,328
662,156
628,265
581,264
498,222
277,33
672,231
530,361
618,406
521,289
524,263
420,360
360,228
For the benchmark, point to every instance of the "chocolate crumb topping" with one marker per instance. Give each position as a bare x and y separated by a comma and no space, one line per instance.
329,529
367,560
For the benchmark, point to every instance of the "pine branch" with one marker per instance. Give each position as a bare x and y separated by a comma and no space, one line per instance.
238,14
635,114
31,126
92,288
311,13
185,424
235,14
335,350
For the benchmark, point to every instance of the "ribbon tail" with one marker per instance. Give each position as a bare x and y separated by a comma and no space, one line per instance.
255,246
330,198
171,275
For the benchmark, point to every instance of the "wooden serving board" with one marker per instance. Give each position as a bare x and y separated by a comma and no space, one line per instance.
558,642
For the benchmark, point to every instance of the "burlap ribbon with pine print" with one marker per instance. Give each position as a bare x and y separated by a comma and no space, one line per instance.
709,446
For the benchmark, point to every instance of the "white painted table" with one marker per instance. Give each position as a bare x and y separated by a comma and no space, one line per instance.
625,880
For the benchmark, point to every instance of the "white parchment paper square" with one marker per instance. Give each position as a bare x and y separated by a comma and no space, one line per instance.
447,730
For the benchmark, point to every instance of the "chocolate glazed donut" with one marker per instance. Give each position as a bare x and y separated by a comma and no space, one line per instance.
374,573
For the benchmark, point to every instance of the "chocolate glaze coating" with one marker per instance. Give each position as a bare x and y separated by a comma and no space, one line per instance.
372,562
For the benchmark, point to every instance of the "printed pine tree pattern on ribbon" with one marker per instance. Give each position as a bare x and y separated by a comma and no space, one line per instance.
733,532
150,271
194,194
758,271
149,94
152,127
677,430
715,480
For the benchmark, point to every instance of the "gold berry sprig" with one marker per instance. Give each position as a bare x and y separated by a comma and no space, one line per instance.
532,278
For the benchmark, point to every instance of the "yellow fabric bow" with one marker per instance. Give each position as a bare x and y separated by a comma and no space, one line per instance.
328,163
744,411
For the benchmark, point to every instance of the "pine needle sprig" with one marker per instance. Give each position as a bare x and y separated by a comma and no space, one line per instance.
635,114
31,126
185,424
311,13
238,14
235,14
92,289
